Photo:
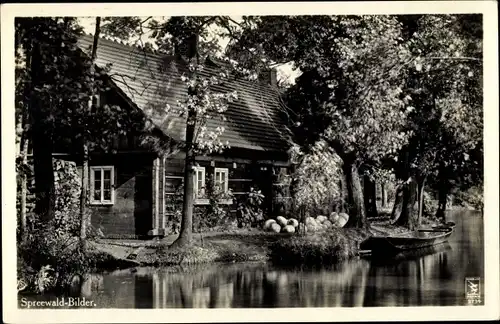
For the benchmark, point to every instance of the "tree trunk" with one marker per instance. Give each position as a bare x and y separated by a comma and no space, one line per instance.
23,158
370,198
340,207
442,199
421,185
85,156
409,212
44,172
24,184
398,204
403,190
84,192
42,142
357,216
186,231
383,202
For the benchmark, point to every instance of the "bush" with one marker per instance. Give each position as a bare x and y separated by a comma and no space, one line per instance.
49,257
328,248
249,212
430,206
317,179
50,254
472,197
213,216
216,213
67,194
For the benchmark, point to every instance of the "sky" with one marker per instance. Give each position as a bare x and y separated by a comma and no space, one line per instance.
285,71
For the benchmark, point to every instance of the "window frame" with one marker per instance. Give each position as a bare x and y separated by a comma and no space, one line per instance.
102,168
196,189
226,182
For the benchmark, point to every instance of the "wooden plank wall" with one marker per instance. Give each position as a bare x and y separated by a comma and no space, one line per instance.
242,177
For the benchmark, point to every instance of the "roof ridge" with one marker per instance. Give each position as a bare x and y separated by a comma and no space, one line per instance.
217,61
121,42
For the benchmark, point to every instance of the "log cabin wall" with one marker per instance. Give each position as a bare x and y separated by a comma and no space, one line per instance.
243,175
130,214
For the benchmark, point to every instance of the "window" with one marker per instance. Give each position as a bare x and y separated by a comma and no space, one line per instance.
102,185
199,182
221,179
95,101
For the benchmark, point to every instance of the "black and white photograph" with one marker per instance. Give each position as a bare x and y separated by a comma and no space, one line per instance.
277,162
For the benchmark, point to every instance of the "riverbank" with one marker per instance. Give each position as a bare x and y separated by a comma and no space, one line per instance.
318,248
328,247
207,248
245,245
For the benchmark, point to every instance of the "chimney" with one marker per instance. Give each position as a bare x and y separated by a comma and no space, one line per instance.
187,48
269,76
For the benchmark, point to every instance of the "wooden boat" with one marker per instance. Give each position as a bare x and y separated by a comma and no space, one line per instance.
407,255
445,225
385,245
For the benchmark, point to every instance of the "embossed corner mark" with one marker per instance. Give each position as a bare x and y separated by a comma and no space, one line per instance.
473,290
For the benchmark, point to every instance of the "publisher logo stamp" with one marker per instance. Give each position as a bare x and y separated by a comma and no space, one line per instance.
473,290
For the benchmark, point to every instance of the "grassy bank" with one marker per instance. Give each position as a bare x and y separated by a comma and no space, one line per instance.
326,248
209,248
319,248
334,245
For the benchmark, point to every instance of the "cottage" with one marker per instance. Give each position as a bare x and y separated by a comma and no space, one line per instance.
132,185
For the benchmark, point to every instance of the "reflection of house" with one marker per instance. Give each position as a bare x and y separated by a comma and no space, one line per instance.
130,188
178,291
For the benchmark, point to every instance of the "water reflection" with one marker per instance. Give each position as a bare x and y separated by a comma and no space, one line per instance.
430,277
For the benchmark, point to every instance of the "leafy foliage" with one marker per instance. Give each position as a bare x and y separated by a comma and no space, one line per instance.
317,181
329,248
472,197
351,77
202,104
49,257
213,216
445,85
216,214
350,92
67,192
249,212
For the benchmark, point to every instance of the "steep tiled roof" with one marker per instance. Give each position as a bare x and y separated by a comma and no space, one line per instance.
151,81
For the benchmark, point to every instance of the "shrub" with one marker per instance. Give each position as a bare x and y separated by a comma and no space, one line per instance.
67,194
249,211
205,217
430,206
317,178
49,257
328,248
216,213
472,197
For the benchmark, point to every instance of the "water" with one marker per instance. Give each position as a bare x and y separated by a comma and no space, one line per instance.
433,277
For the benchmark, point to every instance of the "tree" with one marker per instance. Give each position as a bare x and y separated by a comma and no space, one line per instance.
22,129
444,84
44,44
349,93
85,153
202,102
54,87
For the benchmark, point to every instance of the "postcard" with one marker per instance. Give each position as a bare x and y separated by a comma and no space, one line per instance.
288,161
